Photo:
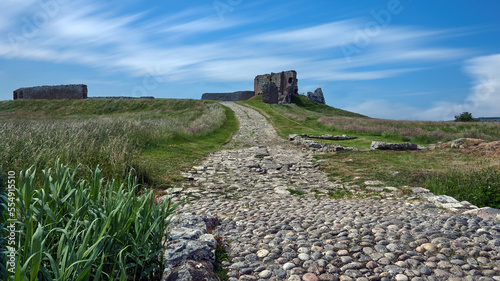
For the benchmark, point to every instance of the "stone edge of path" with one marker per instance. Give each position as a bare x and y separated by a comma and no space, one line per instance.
189,253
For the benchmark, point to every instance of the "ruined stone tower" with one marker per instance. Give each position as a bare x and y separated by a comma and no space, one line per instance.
285,82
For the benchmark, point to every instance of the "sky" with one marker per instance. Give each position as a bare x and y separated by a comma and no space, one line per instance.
394,59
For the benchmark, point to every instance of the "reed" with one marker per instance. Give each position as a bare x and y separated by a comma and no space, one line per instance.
88,229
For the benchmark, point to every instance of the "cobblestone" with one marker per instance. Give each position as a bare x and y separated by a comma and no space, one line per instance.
280,224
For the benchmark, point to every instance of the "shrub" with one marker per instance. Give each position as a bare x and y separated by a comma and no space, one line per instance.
465,117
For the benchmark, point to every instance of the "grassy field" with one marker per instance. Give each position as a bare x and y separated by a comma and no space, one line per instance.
414,131
158,138
465,176
96,217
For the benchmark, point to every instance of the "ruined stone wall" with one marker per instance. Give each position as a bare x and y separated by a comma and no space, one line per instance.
122,98
285,81
317,96
52,92
236,96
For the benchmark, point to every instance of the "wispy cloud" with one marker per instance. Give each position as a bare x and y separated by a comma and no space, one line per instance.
315,37
207,24
87,33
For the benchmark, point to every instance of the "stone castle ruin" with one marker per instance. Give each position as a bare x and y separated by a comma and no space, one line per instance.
235,96
277,87
52,92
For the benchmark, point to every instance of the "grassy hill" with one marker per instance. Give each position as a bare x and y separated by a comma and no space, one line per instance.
158,138
305,117
473,176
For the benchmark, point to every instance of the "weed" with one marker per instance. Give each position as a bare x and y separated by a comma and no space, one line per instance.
296,192
340,193
220,257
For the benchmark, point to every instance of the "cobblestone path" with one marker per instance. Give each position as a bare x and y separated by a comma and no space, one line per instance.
279,224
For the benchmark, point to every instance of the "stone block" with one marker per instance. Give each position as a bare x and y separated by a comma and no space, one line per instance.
393,146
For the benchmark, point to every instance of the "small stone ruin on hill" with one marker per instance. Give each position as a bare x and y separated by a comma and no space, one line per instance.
62,92
52,92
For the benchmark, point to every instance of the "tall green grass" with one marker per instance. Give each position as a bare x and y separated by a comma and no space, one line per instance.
478,185
117,135
88,229
448,172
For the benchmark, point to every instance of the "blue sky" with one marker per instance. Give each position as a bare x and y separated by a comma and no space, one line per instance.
413,60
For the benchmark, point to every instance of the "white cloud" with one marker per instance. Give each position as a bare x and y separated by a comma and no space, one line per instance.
485,94
482,101
383,109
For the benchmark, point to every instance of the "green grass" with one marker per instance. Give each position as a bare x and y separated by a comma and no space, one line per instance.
164,162
82,109
220,257
465,177
75,225
87,229
480,186
340,194
302,118
296,192
158,138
